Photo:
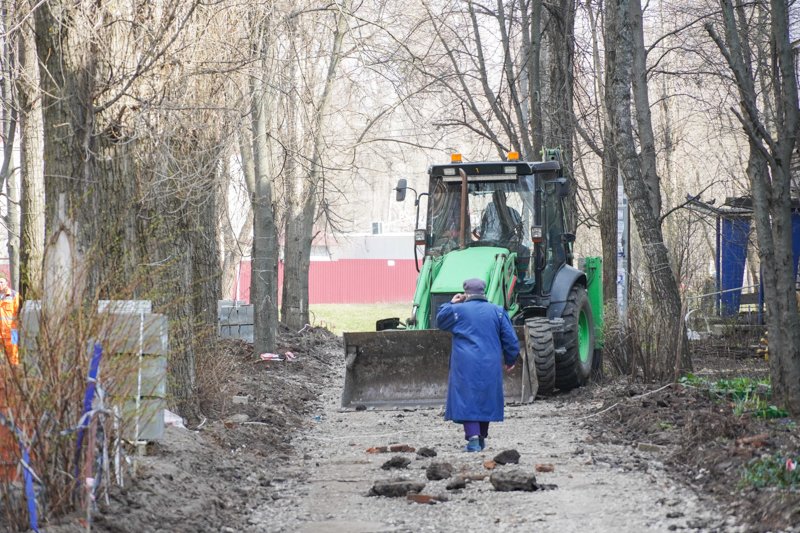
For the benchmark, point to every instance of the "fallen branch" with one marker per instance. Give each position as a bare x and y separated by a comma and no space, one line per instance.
630,398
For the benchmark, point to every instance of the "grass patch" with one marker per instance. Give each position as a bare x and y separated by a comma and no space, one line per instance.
736,388
772,471
339,318
749,396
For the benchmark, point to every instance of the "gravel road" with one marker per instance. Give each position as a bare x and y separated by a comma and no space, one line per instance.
598,487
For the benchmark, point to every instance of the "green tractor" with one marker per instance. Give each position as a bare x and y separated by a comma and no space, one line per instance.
503,222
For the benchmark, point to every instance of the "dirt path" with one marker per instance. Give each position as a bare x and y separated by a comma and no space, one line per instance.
289,460
600,487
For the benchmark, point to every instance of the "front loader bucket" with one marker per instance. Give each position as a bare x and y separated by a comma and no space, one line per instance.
408,368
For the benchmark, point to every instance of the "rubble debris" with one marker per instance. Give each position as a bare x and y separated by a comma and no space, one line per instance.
395,489
378,449
507,457
426,452
513,480
489,464
437,471
426,498
544,467
458,482
402,448
398,461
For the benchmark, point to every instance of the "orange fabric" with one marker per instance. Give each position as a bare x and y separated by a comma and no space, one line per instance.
8,444
9,310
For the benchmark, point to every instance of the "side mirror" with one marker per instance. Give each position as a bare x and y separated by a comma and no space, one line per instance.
402,185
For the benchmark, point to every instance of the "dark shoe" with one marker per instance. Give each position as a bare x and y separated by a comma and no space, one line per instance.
482,442
474,445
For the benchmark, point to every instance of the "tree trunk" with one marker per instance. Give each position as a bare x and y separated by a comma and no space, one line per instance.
31,169
79,162
530,81
295,273
300,231
608,219
561,37
161,247
771,147
610,175
671,342
644,122
9,177
264,262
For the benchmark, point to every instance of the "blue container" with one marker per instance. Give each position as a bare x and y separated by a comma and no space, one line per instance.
733,252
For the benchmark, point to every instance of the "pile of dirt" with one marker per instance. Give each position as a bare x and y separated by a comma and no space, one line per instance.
269,400
702,440
220,470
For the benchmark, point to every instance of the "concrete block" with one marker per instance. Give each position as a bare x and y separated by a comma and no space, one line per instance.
150,417
236,315
129,367
125,306
127,333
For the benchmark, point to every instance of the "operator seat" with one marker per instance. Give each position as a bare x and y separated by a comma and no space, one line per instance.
499,226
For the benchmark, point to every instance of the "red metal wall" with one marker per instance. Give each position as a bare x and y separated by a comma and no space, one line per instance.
350,281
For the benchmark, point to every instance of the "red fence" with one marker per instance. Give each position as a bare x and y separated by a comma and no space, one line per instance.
349,281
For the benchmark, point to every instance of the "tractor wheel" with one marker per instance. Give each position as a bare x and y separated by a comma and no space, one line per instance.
539,339
574,363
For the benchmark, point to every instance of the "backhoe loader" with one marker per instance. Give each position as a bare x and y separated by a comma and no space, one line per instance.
503,222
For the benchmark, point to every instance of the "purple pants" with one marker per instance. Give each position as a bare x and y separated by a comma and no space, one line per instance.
476,429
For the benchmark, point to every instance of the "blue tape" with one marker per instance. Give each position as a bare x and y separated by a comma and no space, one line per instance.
88,399
30,495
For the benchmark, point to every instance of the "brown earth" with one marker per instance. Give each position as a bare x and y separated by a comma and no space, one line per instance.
214,476
706,444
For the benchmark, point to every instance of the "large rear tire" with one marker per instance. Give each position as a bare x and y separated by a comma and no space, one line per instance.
574,363
539,339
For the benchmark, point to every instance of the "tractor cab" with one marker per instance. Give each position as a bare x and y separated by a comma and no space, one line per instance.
514,205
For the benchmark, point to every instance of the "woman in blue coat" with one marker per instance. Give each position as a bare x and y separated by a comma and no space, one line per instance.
483,341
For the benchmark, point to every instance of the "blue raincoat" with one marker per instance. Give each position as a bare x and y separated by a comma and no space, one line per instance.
483,339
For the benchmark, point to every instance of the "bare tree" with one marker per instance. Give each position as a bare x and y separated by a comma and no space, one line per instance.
9,176
31,168
624,57
302,214
110,114
770,120
594,128
264,264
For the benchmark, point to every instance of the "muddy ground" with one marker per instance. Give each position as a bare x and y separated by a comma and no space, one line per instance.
613,456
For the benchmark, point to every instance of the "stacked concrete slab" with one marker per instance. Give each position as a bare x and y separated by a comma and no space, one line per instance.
235,320
135,340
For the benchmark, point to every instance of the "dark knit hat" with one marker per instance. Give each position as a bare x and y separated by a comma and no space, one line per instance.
474,286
